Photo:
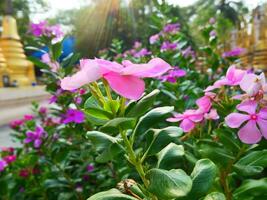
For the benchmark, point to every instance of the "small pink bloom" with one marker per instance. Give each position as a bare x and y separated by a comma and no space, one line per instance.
3,165
43,110
124,79
8,149
234,52
253,84
212,115
204,104
28,117
24,173
53,65
212,20
9,159
189,119
173,74
233,78
256,122
35,137
153,39
74,115
16,123
90,168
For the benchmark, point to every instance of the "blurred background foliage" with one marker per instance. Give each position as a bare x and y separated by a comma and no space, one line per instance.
97,23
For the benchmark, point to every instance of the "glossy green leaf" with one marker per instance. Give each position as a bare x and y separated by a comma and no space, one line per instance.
157,139
251,189
215,196
112,194
143,104
169,184
38,63
56,50
170,156
203,176
117,124
151,118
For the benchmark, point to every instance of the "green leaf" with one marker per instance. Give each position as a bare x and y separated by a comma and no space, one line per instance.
38,63
151,118
169,184
251,164
169,156
203,176
106,145
56,50
117,124
55,183
112,194
142,105
251,189
157,139
215,196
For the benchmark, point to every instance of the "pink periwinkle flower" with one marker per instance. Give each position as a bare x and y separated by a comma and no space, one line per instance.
212,20
43,29
38,29
253,84
233,78
254,124
82,91
143,52
204,104
173,74
213,33
54,66
25,173
168,46
28,117
188,119
53,99
90,168
234,52
188,52
212,115
43,110
10,158
153,39
78,100
125,79
3,165
137,45
35,137
16,123
74,115
8,149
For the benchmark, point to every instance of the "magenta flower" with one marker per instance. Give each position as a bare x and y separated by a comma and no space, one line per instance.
78,100
16,123
166,46
35,137
74,115
8,149
171,28
3,165
143,52
234,52
253,84
43,110
173,74
28,117
188,52
24,173
204,104
153,39
54,66
189,119
233,78
90,168
125,79
254,123
9,159
38,29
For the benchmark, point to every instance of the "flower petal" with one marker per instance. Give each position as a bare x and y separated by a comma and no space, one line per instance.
250,84
187,125
153,68
234,120
37,143
263,113
247,106
263,127
88,74
129,86
249,133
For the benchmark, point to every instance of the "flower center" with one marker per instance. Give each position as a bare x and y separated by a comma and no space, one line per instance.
253,117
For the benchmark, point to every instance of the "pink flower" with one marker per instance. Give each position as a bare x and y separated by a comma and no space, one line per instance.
234,52
253,84
256,122
78,100
204,104
28,117
143,52
90,168
212,115
188,52
124,79
35,137
38,29
153,39
16,123
8,149
172,75
9,159
24,173
3,165
233,78
166,46
54,66
171,28
137,45
189,119
212,20
74,115
43,110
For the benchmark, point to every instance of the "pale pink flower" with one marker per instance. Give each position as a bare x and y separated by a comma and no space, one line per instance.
54,66
125,79
256,122
212,115
204,104
153,39
233,78
188,119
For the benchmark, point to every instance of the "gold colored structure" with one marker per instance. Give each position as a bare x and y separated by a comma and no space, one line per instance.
3,69
21,71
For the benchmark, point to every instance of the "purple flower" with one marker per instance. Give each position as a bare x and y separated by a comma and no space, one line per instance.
213,33
3,165
137,45
38,29
53,99
171,28
188,52
78,100
234,52
153,39
90,168
168,46
43,110
35,137
10,158
212,20
16,123
143,52
74,115
173,74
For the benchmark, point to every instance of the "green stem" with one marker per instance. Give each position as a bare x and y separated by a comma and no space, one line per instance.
122,108
97,97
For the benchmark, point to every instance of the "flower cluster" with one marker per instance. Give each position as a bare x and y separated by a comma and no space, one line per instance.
44,29
8,157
